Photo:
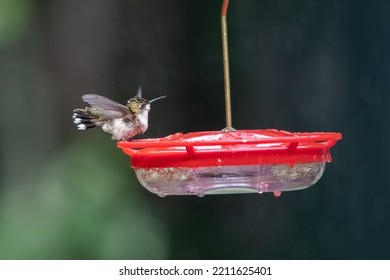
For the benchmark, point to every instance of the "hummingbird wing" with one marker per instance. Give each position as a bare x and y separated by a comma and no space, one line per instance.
109,108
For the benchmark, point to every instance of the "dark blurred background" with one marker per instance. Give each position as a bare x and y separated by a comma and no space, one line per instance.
297,65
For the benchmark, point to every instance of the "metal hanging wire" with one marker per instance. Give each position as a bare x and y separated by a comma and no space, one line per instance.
226,73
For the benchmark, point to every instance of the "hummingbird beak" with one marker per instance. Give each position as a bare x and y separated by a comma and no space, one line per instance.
161,97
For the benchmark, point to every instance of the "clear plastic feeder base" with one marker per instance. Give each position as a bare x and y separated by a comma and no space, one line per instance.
229,179
217,162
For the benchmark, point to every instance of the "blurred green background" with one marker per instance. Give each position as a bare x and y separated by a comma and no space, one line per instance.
297,65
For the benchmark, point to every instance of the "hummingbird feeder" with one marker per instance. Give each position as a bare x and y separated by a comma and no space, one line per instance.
230,161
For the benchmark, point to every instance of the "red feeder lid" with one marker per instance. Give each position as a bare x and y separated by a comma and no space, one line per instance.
241,147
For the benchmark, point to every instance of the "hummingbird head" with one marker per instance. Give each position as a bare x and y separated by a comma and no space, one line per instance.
138,104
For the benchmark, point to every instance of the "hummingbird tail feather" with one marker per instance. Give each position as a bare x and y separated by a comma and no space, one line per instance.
84,119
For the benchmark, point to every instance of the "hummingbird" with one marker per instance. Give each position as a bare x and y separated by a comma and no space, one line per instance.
122,121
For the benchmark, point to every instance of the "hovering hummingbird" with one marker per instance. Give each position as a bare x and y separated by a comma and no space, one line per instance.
122,121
